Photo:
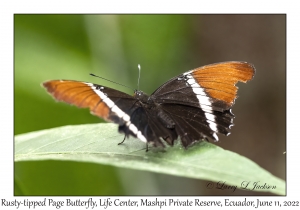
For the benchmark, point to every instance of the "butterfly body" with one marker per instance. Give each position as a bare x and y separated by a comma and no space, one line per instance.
194,105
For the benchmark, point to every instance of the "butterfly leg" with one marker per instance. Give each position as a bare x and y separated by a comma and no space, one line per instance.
122,141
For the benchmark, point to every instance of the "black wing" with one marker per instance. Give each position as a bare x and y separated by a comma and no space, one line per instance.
109,104
198,102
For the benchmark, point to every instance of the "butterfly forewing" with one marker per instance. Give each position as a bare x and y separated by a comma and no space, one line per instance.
199,100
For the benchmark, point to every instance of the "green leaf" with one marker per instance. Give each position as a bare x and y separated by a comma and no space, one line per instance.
98,143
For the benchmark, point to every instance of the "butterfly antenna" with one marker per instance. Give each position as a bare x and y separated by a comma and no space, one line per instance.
111,81
138,85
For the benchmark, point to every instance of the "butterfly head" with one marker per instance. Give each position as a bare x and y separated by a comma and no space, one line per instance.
140,95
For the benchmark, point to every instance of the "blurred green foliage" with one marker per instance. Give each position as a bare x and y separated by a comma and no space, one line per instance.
70,47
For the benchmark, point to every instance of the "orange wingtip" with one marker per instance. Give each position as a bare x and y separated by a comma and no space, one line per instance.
219,79
79,94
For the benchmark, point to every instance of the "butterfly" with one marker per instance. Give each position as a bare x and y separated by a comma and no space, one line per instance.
192,106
